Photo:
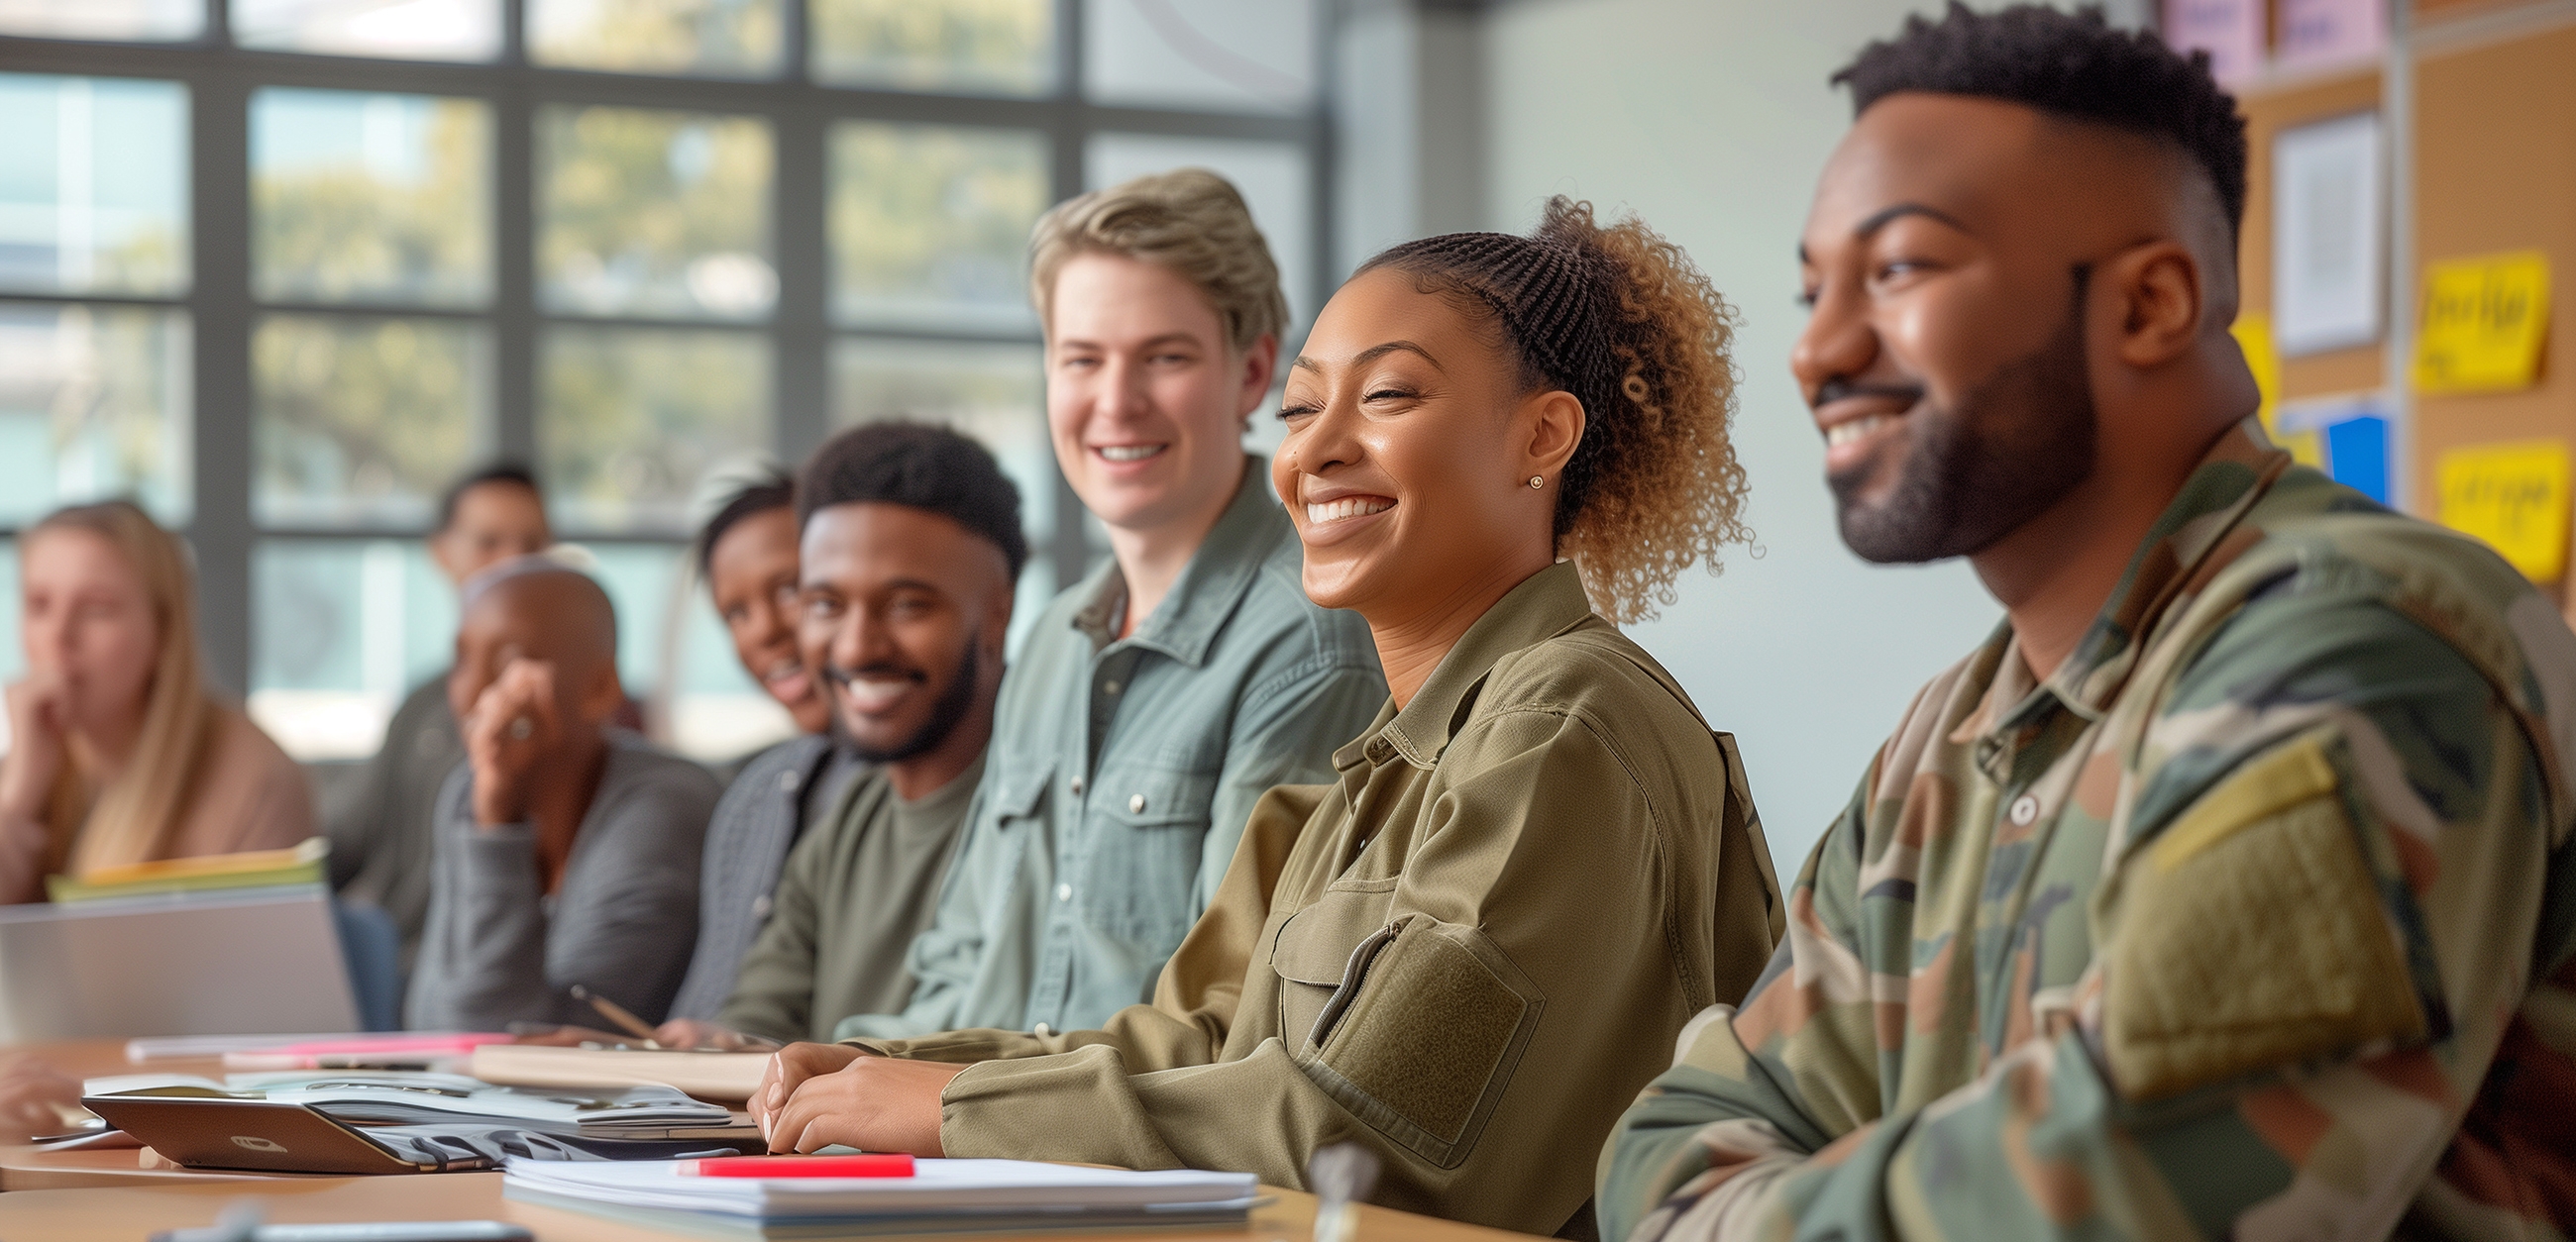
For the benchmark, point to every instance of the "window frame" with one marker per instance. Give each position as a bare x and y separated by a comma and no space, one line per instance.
221,78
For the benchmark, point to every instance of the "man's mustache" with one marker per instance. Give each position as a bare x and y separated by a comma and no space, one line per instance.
841,677
1840,387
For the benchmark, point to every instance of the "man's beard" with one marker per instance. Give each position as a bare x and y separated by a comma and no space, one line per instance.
2014,446
954,702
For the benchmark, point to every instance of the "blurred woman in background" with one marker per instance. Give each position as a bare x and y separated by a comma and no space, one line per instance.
118,751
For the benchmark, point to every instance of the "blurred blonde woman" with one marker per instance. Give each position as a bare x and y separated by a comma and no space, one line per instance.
118,752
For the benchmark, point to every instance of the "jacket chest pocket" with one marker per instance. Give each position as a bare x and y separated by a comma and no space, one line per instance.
1319,945
1137,872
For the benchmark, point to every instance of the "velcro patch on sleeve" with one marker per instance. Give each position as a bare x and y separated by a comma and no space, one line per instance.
2250,936
1431,1039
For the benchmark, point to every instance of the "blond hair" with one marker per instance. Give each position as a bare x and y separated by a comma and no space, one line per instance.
1190,221
139,809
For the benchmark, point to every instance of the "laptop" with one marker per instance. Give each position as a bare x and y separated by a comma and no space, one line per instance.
263,961
251,1134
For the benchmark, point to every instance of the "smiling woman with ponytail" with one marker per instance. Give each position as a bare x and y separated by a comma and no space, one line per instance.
1472,950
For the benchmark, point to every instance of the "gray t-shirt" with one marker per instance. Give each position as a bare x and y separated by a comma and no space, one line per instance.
499,949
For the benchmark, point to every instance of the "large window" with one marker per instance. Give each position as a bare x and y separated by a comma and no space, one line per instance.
280,269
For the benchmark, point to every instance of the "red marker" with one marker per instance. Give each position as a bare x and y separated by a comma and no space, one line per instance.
868,1164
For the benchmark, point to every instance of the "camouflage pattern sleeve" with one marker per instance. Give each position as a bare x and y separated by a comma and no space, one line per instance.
2323,889
1717,1129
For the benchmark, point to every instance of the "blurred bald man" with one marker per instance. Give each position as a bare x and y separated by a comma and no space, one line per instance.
567,849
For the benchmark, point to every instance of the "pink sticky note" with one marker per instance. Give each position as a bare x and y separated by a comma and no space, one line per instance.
2332,32
2231,31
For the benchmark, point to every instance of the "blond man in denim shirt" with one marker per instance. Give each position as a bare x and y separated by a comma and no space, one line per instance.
1158,698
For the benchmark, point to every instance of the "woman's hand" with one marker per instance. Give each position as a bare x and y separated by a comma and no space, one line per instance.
513,724
788,1070
36,726
871,1103
35,1098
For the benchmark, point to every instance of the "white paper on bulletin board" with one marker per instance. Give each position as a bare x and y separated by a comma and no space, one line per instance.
2328,257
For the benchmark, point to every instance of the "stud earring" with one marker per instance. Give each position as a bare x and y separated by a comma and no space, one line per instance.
1537,481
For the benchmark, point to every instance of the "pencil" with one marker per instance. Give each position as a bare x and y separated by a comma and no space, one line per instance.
616,1013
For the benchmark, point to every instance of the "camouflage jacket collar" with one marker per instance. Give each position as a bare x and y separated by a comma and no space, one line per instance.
2235,474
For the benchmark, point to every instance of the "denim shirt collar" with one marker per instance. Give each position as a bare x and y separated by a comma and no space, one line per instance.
1186,623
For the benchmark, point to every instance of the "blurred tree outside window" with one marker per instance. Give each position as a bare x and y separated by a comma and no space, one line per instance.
930,224
990,47
629,419
362,421
654,213
371,198
94,403
715,38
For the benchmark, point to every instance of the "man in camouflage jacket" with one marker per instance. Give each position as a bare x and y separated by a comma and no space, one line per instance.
2227,890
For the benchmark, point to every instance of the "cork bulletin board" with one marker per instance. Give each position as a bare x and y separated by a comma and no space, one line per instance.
2495,171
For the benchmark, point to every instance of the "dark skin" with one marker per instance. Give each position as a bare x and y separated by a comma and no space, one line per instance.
890,600
493,522
534,688
1401,407
895,597
751,575
1941,247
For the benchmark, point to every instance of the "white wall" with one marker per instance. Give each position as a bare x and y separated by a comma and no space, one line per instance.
1711,118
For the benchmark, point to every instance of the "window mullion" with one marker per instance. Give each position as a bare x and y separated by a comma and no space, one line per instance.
219,302
514,311
799,245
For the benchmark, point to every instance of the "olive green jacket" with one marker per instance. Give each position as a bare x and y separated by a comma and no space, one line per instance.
1469,953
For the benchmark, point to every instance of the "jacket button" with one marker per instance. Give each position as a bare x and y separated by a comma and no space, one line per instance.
1077,787
789,780
1136,804
1064,892
2024,809
760,906
1042,1030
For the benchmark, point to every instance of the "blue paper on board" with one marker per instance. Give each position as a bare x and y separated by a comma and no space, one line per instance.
2357,455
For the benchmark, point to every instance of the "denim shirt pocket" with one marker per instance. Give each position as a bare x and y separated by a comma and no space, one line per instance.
1143,830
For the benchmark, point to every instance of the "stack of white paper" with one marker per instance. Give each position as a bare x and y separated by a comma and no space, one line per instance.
977,1195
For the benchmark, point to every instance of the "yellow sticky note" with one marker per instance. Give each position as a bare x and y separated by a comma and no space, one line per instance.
2484,321
2253,334
2514,496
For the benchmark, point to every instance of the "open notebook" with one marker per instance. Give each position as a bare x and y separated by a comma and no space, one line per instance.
942,1196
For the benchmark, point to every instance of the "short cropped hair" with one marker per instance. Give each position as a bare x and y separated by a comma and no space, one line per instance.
1190,221
918,466
505,472
770,489
2072,65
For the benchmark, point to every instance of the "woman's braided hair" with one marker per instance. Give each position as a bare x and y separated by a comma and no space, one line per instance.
1622,319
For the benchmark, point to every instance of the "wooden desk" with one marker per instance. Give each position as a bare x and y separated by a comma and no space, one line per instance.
128,1214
